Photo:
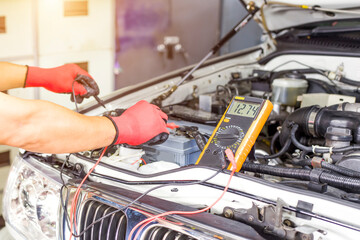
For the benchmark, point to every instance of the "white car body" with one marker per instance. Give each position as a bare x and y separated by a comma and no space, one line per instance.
32,206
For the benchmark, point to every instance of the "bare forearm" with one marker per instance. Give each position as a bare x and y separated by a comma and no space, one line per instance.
11,76
42,126
61,130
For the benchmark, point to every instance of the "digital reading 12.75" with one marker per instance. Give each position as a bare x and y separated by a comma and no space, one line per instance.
244,109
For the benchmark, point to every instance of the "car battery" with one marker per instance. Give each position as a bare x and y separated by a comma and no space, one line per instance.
178,149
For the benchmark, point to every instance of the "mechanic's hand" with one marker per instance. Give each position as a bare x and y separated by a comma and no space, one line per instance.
63,79
141,123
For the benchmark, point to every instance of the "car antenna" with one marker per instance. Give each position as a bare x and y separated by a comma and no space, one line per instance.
252,9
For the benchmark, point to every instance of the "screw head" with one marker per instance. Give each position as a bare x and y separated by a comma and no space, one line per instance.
228,213
288,223
78,167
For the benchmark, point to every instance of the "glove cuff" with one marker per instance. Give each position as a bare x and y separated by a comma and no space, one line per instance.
116,128
36,77
26,75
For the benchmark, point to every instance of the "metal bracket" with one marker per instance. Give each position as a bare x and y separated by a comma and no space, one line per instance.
304,206
268,219
171,46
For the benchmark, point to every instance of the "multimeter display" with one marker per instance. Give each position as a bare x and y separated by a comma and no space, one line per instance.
237,130
244,109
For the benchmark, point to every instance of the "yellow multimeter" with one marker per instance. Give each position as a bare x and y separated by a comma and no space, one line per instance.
237,130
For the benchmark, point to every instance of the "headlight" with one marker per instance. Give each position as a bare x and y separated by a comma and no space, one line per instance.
31,201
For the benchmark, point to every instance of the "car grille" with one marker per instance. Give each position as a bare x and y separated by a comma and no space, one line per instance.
163,233
112,227
119,223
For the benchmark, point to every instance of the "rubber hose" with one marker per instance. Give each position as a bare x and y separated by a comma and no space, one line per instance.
326,87
297,173
278,74
273,141
340,181
278,154
303,154
296,142
318,150
304,174
338,169
349,81
302,162
346,149
300,117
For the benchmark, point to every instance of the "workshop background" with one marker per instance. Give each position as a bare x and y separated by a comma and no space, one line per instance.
119,42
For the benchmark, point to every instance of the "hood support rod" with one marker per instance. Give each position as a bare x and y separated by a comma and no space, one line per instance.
252,9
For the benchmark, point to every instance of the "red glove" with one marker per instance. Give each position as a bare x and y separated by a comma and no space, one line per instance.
62,79
141,123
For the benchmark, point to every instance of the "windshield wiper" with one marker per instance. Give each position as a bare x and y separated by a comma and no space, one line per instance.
320,31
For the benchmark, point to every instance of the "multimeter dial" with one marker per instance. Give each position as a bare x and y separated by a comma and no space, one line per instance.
228,137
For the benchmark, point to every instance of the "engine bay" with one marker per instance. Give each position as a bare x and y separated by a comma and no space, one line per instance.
298,176
304,161
312,147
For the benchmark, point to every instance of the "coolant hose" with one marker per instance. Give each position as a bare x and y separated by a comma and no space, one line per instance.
319,175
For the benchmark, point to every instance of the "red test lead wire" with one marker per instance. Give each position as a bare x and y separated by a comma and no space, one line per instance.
172,125
76,196
141,159
231,158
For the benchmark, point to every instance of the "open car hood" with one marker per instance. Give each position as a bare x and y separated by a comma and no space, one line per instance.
283,14
300,181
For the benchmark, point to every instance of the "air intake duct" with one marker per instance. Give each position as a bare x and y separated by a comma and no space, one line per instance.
323,123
